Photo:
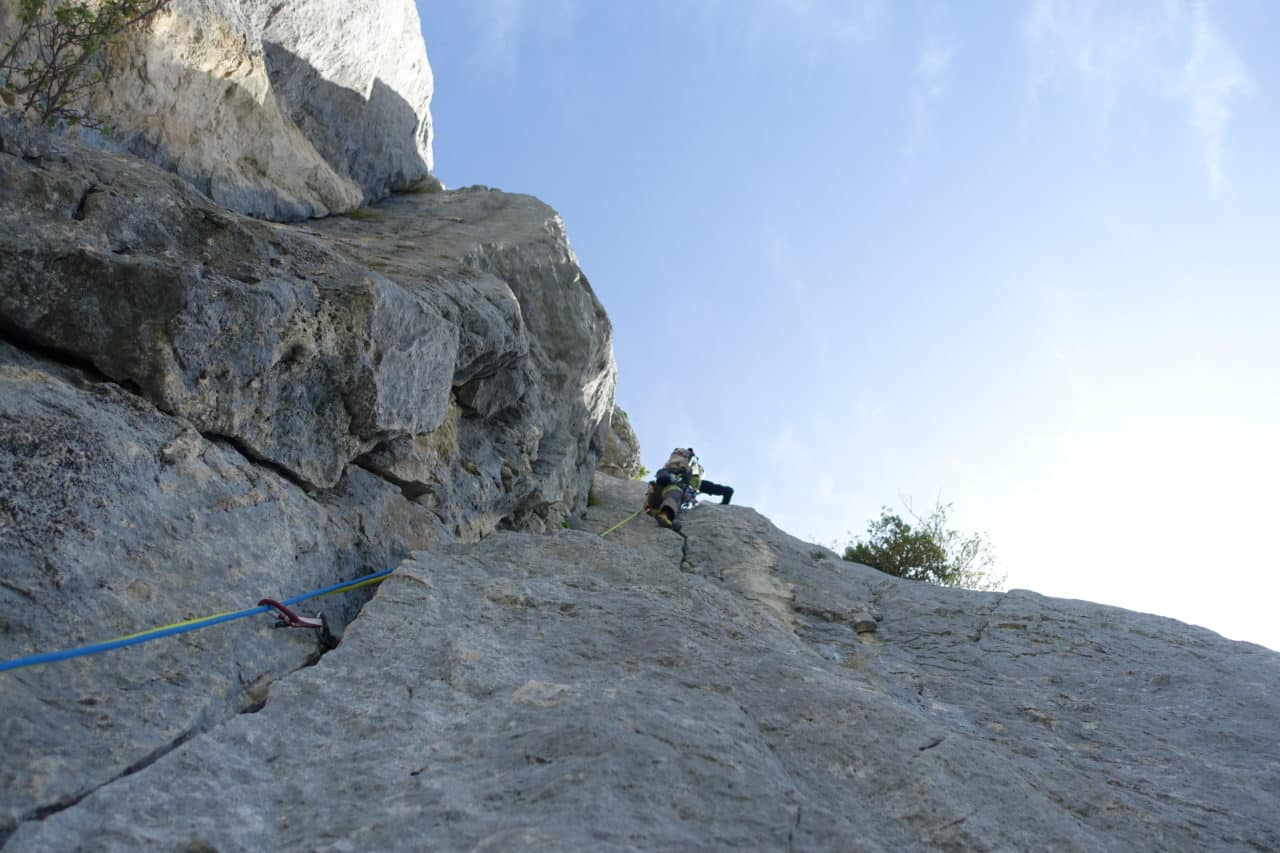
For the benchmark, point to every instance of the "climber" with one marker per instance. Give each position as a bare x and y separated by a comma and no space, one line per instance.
676,485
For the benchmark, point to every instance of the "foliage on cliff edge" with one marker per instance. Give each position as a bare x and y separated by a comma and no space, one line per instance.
53,57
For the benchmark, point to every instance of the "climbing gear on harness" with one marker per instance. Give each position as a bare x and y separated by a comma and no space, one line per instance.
188,625
691,482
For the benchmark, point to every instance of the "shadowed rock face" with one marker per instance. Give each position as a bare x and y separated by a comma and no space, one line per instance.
568,692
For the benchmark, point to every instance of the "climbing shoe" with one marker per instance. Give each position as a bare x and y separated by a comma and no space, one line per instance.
670,523
728,495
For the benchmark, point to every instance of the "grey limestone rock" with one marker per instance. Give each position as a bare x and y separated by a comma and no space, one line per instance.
564,691
198,409
448,341
284,110
535,373
116,518
254,332
622,449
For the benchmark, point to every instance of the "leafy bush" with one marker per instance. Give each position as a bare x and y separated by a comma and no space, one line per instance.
56,59
929,551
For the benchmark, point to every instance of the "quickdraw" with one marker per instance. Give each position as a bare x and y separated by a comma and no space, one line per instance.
286,618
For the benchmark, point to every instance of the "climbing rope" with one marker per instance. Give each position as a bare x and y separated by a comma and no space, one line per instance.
620,523
290,620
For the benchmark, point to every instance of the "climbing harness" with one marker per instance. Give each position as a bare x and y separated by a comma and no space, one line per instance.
620,523
285,618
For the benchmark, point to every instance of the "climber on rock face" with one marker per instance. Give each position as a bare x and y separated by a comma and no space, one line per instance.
676,485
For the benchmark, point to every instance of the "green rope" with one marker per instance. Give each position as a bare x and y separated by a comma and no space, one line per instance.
620,523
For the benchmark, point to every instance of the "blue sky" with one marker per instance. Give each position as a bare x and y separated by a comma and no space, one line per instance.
1019,255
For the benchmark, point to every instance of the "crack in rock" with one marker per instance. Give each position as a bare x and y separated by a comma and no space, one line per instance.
44,812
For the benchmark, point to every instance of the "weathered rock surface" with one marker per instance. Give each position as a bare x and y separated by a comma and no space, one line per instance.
198,410
463,310
535,375
568,692
622,449
115,517
283,110
255,332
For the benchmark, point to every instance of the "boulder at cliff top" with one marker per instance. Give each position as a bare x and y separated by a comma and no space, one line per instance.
253,332
535,374
622,449
568,692
450,329
283,110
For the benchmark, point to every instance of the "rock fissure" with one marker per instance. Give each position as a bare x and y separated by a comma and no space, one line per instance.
87,371
78,213
984,620
238,446
410,489
932,744
45,812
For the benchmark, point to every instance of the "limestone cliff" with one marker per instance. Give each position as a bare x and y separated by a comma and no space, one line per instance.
283,109
199,409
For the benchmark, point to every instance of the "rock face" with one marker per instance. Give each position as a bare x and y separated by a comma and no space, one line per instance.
447,311
116,517
282,110
198,410
565,691
622,449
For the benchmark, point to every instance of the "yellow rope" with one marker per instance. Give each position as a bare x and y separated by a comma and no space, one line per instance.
620,523
175,625
350,587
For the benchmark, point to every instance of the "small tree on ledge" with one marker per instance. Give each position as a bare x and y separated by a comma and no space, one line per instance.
928,551
54,60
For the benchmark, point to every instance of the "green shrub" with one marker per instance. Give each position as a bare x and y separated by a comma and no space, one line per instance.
929,551
56,60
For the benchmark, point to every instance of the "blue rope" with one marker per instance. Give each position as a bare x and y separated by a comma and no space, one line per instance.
182,628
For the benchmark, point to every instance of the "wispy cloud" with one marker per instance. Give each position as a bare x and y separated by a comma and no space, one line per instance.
500,25
1158,48
817,27
841,20
1213,78
781,257
931,79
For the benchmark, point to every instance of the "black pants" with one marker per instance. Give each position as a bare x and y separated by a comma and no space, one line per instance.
706,487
